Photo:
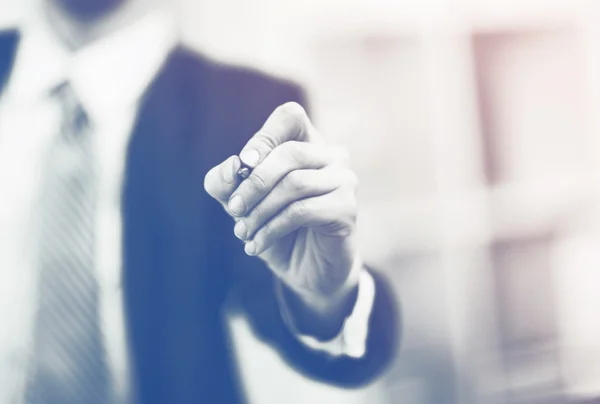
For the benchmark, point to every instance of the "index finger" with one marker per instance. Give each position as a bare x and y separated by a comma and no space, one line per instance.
288,122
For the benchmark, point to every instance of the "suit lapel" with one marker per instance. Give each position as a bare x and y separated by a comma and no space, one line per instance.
8,46
174,283
173,280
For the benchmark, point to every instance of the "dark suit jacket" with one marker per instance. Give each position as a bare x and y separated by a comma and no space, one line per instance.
181,258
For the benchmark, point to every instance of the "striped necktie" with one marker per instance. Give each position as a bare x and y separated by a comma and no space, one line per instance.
69,360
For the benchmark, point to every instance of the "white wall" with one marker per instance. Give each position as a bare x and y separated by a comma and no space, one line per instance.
399,83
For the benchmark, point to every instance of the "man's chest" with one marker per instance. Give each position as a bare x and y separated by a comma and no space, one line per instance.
26,132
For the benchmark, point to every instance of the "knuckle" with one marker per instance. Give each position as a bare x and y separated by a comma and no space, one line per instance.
345,200
294,109
262,141
296,182
342,155
264,233
252,218
292,151
298,211
352,179
352,206
257,182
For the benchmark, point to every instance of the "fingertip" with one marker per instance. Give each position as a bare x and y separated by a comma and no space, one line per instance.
230,168
250,248
294,109
209,182
237,205
250,157
240,230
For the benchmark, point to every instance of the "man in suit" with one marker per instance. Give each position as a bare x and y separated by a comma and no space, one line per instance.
122,216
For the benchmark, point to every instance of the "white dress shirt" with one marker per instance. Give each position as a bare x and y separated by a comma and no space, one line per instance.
109,76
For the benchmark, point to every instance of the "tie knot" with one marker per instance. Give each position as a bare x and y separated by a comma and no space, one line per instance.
75,119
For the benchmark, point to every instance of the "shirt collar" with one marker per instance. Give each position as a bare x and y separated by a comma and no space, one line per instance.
107,75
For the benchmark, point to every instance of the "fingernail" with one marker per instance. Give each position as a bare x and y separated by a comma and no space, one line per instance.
250,248
236,205
240,230
250,157
230,171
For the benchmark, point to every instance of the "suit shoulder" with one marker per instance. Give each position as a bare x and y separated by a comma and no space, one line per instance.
234,84
217,106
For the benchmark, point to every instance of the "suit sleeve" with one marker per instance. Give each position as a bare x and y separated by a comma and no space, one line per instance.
255,289
351,337
256,293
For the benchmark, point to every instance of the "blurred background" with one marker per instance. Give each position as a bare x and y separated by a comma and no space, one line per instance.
474,127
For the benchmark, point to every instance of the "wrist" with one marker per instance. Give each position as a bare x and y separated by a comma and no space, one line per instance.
318,314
